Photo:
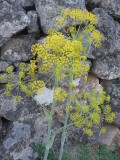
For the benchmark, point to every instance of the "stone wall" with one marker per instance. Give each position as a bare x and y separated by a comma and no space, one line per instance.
24,22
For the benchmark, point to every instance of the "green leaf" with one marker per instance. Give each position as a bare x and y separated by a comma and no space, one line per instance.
50,142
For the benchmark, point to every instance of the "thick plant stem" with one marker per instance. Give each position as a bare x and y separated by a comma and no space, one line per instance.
66,118
50,121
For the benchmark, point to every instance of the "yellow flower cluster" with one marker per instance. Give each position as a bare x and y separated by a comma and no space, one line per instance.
9,69
88,131
78,16
60,94
89,112
31,68
94,36
3,78
17,98
103,130
25,81
68,108
37,86
22,66
21,74
59,52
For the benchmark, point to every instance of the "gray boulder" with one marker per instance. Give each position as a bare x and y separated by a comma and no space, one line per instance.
21,111
49,11
21,138
18,49
3,66
111,6
113,89
12,20
107,68
111,137
22,3
33,27
110,30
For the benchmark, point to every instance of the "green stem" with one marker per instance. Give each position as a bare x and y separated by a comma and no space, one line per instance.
66,118
50,121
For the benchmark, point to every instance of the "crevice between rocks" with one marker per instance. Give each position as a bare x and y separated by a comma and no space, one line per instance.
90,6
4,126
29,8
22,32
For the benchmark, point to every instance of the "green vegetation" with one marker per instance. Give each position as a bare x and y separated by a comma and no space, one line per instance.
84,153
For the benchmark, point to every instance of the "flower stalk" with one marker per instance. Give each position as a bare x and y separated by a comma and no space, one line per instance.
50,123
66,118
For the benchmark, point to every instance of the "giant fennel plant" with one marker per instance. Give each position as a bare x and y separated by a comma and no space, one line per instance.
63,54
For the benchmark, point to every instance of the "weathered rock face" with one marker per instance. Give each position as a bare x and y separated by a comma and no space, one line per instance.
18,49
113,89
107,68
111,32
22,3
20,140
13,111
111,137
3,65
1,127
49,11
12,20
111,6
33,27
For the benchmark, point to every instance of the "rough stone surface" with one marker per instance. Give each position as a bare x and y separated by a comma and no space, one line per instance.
12,20
13,111
49,11
46,98
1,127
111,137
107,63
113,89
22,3
21,138
116,121
111,6
33,26
3,66
107,68
18,49
111,32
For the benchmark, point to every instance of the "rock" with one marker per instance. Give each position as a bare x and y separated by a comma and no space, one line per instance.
3,66
1,127
92,82
33,26
111,137
12,20
21,138
107,68
22,3
49,11
112,88
13,111
116,121
18,49
110,29
111,6
46,98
